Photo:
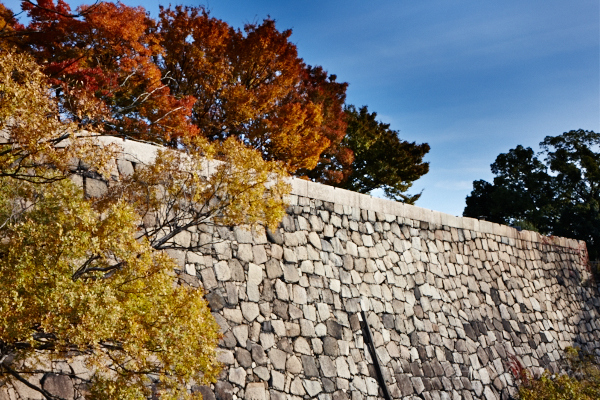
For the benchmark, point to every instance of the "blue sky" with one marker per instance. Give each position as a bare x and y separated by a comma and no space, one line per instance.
471,78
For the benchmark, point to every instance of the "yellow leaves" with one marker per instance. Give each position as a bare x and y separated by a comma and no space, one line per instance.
136,307
38,145
85,275
218,183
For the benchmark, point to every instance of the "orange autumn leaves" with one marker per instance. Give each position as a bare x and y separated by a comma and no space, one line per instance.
101,65
248,84
186,74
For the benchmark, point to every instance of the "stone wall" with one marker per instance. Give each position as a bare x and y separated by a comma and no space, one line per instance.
445,300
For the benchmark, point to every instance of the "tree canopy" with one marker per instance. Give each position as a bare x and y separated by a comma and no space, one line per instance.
251,85
90,276
381,160
187,73
559,194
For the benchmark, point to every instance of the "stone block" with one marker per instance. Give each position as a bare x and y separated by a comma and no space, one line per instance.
255,391
290,273
313,388
222,271
223,391
95,187
59,385
299,187
205,391
293,365
250,311
125,167
320,192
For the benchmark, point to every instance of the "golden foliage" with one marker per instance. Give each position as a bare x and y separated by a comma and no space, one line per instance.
75,279
90,277
31,134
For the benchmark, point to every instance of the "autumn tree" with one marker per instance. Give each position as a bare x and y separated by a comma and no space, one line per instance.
8,23
381,160
335,163
89,277
252,85
100,63
188,72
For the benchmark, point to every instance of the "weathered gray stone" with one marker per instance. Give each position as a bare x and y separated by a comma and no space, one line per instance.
312,387
278,358
244,253
259,254
273,269
327,366
299,294
417,384
275,236
277,381
342,368
237,271
334,329
250,311
477,388
125,167
282,291
223,391
255,274
222,271
237,376
289,256
295,312
405,384
290,273
241,334
95,187
293,365
310,366
330,346
262,373
301,346
243,234
297,388
243,357
489,394
258,354
205,391
225,357
255,391
339,395
59,385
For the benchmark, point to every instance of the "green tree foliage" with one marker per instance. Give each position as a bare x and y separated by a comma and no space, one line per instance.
90,277
521,191
381,159
557,195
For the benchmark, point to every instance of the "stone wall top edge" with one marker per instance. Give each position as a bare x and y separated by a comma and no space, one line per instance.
317,191
136,151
